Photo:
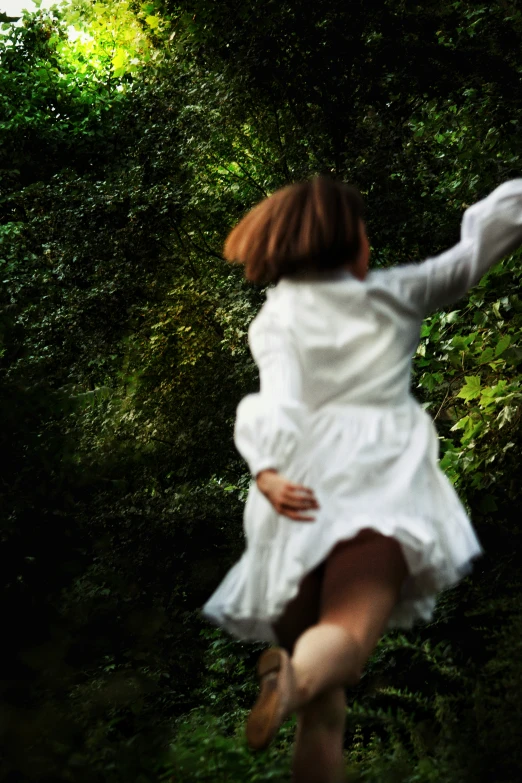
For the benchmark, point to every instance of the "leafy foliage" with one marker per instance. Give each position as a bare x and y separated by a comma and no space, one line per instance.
127,152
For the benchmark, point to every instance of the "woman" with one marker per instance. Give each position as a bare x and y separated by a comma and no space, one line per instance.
351,527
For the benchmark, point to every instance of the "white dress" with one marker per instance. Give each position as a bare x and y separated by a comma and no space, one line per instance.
335,413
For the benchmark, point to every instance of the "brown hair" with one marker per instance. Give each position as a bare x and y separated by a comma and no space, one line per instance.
309,226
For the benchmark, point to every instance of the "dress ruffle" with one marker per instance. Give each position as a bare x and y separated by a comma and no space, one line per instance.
275,572
396,481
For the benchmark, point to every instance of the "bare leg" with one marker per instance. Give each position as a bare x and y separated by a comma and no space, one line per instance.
332,627
302,612
318,749
361,584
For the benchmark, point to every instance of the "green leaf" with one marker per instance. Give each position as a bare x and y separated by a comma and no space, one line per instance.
431,380
5,18
489,393
461,424
119,59
513,355
502,344
486,356
452,317
474,429
506,415
471,389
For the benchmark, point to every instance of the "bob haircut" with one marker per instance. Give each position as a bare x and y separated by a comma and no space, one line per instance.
311,226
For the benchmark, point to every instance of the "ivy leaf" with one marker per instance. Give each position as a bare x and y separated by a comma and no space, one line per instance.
119,59
506,415
473,430
461,424
450,318
471,389
490,392
502,344
496,309
513,355
486,356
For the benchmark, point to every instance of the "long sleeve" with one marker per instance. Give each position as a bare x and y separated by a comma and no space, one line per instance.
491,228
269,424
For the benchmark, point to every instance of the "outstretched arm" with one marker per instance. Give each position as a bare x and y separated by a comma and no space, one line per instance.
491,229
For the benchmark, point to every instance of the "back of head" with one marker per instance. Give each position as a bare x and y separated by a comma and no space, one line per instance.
308,226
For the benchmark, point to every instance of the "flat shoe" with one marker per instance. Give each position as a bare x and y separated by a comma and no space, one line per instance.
275,673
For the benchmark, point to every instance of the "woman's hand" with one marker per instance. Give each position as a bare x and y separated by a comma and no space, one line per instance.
288,499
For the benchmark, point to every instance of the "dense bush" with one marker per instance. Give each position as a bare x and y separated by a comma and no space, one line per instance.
126,156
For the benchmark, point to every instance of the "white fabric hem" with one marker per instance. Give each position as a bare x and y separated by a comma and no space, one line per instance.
256,591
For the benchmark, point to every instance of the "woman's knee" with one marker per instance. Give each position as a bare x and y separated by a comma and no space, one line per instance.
362,583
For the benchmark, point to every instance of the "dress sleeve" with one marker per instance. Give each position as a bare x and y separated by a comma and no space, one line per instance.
269,424
491,228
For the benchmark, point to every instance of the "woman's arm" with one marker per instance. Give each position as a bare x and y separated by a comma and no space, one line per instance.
491,229
269,424
288,499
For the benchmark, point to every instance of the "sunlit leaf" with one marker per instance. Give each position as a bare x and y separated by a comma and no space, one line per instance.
471,389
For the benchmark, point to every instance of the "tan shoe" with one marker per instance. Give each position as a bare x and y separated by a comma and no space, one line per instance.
276,676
